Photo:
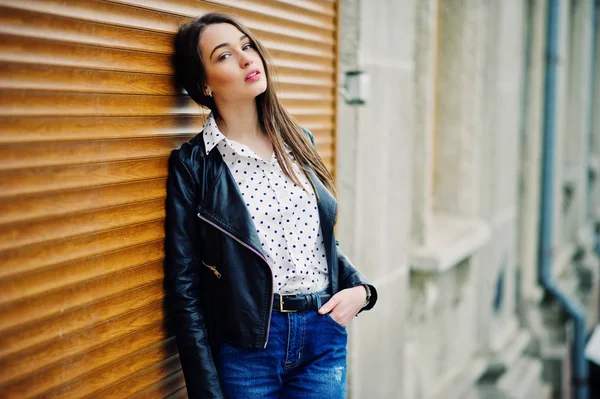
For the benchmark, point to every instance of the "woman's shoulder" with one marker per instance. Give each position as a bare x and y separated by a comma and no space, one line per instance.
191,151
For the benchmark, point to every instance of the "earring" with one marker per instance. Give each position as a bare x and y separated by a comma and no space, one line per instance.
209,92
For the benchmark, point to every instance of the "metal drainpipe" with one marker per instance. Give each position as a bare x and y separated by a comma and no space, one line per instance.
595,8
579,366
593,101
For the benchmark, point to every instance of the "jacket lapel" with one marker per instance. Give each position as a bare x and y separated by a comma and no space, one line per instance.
327,209
327,204
224,206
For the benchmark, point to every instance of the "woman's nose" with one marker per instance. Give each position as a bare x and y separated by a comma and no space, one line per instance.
245,60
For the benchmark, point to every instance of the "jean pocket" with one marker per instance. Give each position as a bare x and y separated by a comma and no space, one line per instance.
334,322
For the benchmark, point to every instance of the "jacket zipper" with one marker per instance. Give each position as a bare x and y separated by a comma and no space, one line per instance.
260,256
213,269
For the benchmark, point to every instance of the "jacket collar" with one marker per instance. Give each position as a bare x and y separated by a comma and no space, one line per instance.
211,134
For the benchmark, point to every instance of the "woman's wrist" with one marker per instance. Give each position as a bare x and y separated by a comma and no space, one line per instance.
361,294
367,294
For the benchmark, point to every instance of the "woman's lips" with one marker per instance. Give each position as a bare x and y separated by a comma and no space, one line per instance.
253,75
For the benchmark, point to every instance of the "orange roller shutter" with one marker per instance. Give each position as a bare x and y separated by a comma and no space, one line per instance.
88,118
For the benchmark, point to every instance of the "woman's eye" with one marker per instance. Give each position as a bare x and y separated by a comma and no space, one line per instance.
247,46
224,56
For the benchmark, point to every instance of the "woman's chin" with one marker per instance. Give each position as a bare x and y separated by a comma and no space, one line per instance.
259,88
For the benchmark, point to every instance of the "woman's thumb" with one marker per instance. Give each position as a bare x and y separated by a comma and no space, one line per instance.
329,305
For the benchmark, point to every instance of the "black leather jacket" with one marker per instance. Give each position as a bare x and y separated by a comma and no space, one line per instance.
219,285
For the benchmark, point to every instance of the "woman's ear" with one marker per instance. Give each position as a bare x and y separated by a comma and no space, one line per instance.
207,91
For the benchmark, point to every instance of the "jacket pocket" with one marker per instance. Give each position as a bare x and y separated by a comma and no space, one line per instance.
213,269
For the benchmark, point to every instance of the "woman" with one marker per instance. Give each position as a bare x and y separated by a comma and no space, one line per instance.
260,294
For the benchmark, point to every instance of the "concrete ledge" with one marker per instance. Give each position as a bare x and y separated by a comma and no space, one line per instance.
460,386
449,240
503,334
523,380
511,352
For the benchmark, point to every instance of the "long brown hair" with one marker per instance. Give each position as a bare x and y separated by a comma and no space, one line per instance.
279,125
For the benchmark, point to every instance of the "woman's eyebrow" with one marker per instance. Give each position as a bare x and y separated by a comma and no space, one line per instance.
225,45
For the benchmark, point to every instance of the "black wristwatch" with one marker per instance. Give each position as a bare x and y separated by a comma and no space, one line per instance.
368,295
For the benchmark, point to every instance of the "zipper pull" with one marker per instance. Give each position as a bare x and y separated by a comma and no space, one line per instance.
215,271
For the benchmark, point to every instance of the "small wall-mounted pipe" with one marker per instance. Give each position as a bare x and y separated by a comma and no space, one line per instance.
579,372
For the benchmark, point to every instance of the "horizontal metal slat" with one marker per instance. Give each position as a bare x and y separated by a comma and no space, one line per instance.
80,342
102,12
313,82
25,50
22,286
306,110
245,10
73,31
30,207
302,65
23,76
43,129
66,227
319,6
50,128
29,311
25,103
60,373
40,333
142,379
148,19
316,123
283,10
325,99
69,29
54,252
33,155
160,359
274,42
181,393
28,181
43,51
168,387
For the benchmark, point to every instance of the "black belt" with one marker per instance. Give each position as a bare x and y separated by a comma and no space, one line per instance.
299,302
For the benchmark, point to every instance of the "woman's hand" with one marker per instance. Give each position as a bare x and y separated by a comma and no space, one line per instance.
345,304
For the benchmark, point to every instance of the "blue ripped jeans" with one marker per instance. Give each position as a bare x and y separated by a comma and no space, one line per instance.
305,358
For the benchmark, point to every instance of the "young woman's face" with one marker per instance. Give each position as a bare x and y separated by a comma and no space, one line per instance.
234,69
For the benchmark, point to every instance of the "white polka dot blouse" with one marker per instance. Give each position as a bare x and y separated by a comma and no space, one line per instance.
286,218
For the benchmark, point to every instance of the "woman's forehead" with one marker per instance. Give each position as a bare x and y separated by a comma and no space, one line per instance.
217,34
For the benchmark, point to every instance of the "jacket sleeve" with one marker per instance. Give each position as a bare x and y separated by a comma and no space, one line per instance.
348,275
182,257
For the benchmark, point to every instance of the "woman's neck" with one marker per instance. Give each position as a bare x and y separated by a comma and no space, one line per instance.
239,122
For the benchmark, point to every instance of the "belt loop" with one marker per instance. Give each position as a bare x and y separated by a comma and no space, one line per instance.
318,301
